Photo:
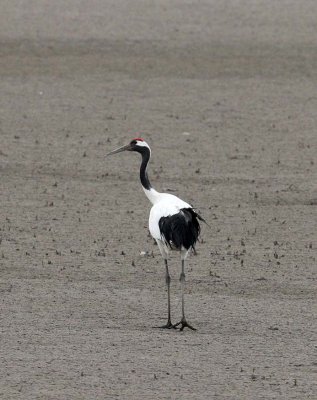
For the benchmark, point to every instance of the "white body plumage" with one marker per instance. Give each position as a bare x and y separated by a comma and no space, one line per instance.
164,205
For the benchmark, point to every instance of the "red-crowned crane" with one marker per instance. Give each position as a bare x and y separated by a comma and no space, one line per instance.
173,223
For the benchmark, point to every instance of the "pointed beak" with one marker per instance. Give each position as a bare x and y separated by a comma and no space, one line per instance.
123,148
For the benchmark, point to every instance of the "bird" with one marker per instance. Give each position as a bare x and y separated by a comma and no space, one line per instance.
173,223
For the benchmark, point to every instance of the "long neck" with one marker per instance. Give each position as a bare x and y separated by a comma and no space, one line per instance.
143,173
150,193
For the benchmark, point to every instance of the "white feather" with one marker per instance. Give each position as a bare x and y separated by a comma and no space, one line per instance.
165,205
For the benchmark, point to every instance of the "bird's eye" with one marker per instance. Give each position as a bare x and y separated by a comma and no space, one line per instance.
133,142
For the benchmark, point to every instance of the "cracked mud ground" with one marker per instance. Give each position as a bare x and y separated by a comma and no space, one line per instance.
225,94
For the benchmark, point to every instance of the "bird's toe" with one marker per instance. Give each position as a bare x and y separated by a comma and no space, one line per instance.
168,325
184,324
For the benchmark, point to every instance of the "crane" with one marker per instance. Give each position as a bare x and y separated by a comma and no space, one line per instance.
173,223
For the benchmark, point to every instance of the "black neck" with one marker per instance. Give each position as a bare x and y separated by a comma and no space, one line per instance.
145,153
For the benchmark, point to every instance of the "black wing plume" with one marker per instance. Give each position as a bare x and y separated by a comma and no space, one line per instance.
181,229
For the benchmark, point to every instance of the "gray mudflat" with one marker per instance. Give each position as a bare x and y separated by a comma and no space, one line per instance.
225,94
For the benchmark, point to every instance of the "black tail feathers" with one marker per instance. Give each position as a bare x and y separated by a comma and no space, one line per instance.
181,229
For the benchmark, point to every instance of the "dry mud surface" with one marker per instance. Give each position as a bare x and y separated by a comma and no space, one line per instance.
225,93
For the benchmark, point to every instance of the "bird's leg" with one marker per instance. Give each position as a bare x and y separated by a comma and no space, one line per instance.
183,323
168,284
169,324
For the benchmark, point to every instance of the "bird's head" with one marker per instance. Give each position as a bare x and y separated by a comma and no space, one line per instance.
136,144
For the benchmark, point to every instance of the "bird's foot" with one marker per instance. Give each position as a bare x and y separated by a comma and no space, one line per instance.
168,325
183,324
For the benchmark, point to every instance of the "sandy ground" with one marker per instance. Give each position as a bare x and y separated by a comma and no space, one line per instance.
225,93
